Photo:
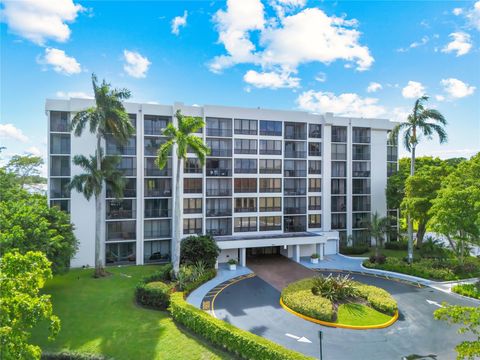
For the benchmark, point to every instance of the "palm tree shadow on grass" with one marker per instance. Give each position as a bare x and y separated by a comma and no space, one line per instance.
357,310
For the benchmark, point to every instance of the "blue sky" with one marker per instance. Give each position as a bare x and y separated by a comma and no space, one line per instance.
348,57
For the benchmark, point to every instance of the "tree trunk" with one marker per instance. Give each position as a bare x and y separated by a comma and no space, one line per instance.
99,263
422,227
409,219
177,224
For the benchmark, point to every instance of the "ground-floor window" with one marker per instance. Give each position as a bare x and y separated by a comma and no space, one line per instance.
120,253
156,251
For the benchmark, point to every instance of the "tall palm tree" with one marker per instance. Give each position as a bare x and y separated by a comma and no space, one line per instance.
421,121
377,227
91,183
107,117
181,138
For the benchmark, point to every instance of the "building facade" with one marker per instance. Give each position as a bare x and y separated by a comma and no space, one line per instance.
285,182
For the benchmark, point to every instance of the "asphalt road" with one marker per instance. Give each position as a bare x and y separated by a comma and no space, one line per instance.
253,305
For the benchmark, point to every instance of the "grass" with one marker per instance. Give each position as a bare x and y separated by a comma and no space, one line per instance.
100,316
360,315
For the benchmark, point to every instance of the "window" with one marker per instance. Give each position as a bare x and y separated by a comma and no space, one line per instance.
339,134
314,149
361,203
339,169
339,203
130,190
295,149
192,186
219,127
121,230
220,147
59,144
245,204
314,221
128,166
271,147
245,127
361,237
294,223
157,229
315,167
315,131
192,226
59,121
314,203
192,166
315,185
361,135
295,168
361,186
270,166
245,224
158,187
245,185
360,220
361,169
192,206
219,227
120,209
219,187
361,152
154,125
120,253
294,205
245,146
270,204
155,208
392,153
59,166
391,168
59,188
219,167
63,205
295,186
270,185
156,251
294,130
151,169
270,223
270,128
339,186
113,147
219,207
339,152
245,166
152,144
339,221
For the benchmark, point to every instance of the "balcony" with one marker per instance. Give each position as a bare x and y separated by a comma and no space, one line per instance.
218,172
211,131
361,139
361,174
295,173
219,192
245,209
220,152
294,210
219,212
120,214
314,207
245,228
295,154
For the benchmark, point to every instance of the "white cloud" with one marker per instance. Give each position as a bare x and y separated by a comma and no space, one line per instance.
73,94
439,97
446,154
287,6
414,89
461,44
348,104
373,87
178,22
135,65
33,150
399,114
271,80
457,88
39,20
423,41
473,16
9,131
321,77
60,61
457,11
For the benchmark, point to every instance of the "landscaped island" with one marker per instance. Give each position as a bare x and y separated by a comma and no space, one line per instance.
340,301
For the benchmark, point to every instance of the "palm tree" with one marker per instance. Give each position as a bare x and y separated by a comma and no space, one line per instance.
91,183
181,139
377,227
422,121
107,117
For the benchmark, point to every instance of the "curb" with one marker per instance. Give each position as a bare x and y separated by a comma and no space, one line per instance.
342,326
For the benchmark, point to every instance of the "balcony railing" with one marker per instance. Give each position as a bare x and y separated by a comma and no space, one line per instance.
218,172
295,173
219,192
246,151
219,212
121,235
315,225
219,232
271,132
270,152
59,126
192,231
314,171
192,190
294,228
246,190
156,213
219,132
158,193
361,173
314,207
314,189
221,152
246,209
270,189
270,208
270,171
296,135
294,210
361,139
192,210
314,153
121,214
245,171
155,234
295,154
361,156
246,132
295,191
245,228
270,227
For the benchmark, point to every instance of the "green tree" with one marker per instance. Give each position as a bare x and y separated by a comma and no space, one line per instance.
456,209
90,183
421,121
377,227
181,138
469,319
26,169
21,305
27,223
107,117
201,247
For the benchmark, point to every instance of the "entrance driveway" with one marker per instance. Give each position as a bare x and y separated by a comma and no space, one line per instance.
277,270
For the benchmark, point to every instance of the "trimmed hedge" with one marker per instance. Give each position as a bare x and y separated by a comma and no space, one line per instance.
356,250
470,290
208,275
65,355
378,299
222,334
154,294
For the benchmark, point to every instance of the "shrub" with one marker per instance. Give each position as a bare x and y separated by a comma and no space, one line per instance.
163,274
222,334
356,250
470,290
378,298
333,288
154,294
232,262
194,248
72,356
192,276
433,249
397,245
207,275
299,297
380,259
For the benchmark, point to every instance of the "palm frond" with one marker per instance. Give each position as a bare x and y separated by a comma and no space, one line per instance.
440,130
199,147
190,124
170,131
84,162
434,115
163,153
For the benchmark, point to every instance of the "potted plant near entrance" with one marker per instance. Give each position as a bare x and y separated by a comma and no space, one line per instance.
232,264
314,258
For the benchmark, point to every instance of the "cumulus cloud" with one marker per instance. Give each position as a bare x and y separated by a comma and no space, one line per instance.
414,89
457,88
10,132
40,20
457,11
373,87
348,104
60,61
473,16
272,80
423,41
439,97
33,150
73,94
135,65
461,44
178,22
321,77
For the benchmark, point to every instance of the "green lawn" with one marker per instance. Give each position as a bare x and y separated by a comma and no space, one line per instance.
360,315
100,316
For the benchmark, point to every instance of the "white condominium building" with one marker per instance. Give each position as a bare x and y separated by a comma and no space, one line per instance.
276,182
